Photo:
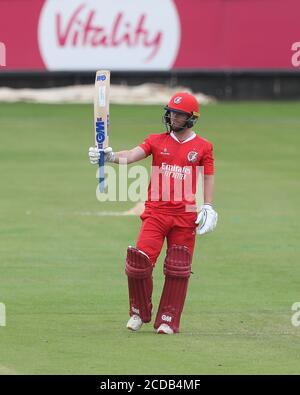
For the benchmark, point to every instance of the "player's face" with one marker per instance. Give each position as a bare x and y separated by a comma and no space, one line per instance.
178,121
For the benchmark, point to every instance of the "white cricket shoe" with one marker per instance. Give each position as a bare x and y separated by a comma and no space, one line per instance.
165,329
134,323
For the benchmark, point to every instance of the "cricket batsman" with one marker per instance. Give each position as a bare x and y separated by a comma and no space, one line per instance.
170,212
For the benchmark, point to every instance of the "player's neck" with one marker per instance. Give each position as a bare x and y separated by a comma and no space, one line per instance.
185,134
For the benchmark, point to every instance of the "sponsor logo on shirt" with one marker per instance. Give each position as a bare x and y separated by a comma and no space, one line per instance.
175,171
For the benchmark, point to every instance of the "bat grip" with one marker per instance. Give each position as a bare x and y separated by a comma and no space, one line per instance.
101,172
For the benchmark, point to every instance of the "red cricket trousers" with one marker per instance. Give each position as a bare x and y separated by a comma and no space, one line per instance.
156,226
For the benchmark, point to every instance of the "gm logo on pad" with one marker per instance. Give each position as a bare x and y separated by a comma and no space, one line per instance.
101,77
166,318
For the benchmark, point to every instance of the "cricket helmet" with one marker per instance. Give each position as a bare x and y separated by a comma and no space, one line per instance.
182,103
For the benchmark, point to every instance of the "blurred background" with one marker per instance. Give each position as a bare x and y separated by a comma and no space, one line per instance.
229,49
62,251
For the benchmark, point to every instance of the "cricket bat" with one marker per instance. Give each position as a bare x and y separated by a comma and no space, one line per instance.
101,117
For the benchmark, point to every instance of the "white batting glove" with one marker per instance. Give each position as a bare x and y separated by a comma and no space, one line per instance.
207,220
94,155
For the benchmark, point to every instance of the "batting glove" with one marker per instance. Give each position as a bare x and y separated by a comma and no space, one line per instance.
207,219
94,155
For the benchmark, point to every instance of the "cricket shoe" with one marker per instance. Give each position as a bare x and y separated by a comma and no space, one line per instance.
165,329
134,323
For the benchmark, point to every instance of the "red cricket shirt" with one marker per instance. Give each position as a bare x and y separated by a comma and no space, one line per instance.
175,168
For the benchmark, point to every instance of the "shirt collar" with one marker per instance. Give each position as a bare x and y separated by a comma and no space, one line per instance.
184,141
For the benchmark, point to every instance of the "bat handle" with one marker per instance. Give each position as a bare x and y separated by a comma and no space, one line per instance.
101,172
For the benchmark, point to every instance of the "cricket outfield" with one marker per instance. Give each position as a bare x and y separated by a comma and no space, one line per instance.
62,277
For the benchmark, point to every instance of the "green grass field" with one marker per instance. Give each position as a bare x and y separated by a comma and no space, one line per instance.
62,273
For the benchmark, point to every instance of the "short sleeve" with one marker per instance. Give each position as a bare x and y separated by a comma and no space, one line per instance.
146,146
208,160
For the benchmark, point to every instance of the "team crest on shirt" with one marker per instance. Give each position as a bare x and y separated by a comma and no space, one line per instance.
192,156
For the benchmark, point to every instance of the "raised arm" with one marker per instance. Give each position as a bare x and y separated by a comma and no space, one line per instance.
130,156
